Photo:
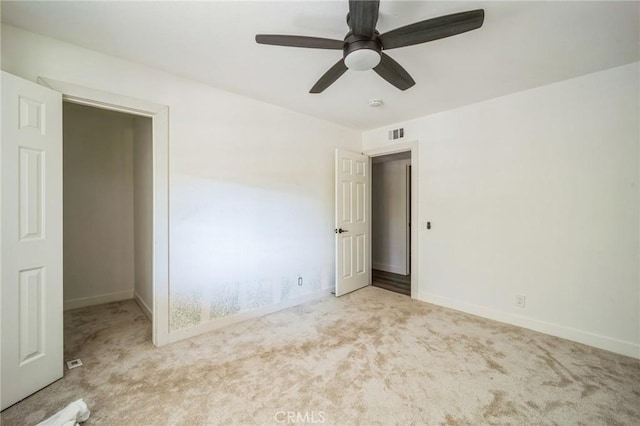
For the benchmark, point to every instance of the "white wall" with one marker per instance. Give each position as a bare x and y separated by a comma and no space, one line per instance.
143,212
251,184
98,206
389,215
536,194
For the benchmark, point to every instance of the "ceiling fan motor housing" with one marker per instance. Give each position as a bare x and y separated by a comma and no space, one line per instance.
360,53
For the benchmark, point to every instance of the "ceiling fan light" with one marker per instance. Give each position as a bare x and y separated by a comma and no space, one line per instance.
362,59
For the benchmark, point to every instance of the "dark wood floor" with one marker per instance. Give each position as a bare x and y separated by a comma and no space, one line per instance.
392,282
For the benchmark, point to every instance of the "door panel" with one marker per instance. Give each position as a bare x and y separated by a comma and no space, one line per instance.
351,219
31,307
31,264
30,191
360,252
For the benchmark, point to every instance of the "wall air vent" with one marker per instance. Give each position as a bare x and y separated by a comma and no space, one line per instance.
396,134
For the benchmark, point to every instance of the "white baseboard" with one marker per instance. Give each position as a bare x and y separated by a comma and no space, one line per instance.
401,270
143,306
211,325
598,341
97,300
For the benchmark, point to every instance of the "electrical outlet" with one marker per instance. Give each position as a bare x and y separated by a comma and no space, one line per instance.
299,281
521,301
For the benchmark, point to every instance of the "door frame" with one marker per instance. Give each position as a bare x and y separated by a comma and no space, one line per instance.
411,146
408,174
159,115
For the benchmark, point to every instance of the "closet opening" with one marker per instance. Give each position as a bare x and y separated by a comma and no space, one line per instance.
391,222
107,224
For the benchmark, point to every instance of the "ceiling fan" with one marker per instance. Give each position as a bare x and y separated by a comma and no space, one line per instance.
363,46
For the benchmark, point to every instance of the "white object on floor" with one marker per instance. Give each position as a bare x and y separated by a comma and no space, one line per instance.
71,415
74,363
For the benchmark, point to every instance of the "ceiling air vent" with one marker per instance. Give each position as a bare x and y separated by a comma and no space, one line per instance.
396,134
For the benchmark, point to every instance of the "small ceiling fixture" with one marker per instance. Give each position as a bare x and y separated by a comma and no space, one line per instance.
375,103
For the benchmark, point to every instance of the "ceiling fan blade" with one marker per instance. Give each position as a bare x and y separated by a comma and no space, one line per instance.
363,17
329,77
433,29
393,72
299,41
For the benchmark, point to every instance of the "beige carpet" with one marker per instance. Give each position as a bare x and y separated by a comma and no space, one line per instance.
371,357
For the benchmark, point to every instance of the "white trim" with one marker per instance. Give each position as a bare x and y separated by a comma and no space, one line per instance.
591,339
83,302
393,149
411,146
87,96
211,325
143,306
160,118
160,277
409,201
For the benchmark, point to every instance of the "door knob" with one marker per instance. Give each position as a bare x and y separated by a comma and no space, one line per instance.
340,230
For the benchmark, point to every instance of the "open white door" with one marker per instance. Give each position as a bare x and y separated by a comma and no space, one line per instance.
31,251
352,227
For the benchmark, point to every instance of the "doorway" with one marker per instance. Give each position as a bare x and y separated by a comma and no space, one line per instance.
391,222
159,115
107,207
33,174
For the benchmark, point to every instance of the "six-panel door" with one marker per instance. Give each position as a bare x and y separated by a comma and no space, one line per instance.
351,221
31,268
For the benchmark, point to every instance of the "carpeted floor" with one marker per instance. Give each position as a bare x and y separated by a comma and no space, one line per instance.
370,357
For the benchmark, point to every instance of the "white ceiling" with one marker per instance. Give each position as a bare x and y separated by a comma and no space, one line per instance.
521,45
